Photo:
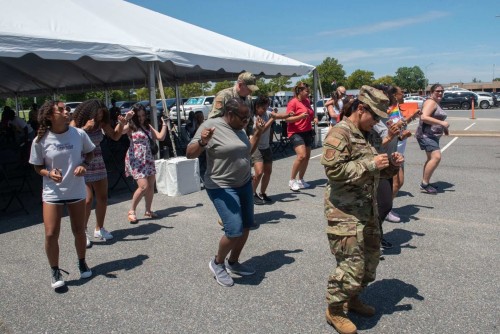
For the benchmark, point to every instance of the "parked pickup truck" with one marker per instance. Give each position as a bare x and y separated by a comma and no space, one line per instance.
203,103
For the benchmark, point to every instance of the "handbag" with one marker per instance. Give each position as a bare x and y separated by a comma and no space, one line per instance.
153,146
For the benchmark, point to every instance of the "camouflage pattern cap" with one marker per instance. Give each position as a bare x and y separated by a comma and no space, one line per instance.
248,79
375,99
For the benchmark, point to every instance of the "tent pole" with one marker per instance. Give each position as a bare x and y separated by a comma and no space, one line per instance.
152,97
317,138
106,97
17,104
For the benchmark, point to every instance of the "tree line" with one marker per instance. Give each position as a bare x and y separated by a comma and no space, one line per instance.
331,74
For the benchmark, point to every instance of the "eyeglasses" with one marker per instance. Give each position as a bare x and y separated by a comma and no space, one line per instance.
439,91
242,118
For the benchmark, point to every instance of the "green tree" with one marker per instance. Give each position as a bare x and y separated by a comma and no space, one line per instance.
359,78
191,89
410,79
221,85
385,80
169,92
496,79
279,83
329,71
476,80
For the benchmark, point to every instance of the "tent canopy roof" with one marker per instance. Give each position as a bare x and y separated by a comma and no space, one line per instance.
76,45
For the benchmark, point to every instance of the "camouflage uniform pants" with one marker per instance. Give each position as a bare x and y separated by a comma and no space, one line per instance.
357,258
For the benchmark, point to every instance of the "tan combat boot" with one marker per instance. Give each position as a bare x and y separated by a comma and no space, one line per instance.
336,317
356,305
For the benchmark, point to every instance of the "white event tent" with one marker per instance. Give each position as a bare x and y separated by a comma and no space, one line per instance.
62,46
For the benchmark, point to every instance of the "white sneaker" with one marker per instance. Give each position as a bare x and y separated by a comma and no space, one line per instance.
103,234
87,236
303,184
392,217
294,185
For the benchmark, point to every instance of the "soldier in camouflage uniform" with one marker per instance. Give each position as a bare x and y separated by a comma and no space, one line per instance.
353,168
242,90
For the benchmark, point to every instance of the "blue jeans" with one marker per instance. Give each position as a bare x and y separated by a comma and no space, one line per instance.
235,208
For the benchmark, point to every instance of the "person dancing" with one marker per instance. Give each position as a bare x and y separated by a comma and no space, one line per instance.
56,154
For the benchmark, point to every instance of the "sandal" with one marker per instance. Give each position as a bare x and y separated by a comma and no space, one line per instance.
150,214
132,218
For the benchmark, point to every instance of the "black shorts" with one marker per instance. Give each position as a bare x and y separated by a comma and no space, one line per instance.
302,138
64,201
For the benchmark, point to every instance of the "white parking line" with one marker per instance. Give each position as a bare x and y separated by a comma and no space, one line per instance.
315,156
470,126
448,145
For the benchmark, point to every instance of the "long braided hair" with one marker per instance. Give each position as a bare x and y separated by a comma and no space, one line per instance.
46,110
88,110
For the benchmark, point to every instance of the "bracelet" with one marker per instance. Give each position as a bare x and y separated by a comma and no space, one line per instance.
201,143
48,174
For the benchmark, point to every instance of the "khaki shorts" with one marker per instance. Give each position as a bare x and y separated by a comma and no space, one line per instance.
264,155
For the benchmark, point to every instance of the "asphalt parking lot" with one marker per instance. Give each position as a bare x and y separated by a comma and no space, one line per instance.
441,276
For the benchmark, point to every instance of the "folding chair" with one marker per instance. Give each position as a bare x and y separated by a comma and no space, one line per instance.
281,136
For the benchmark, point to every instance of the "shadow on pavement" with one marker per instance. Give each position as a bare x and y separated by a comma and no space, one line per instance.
408,212
385,296
266,263
272,217
400,239
110,269
442,186
141,229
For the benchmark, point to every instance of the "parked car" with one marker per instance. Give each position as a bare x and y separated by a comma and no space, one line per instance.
458,100
497,95
125,106
418,99
72,105
321,110
486,100
203,103
169,102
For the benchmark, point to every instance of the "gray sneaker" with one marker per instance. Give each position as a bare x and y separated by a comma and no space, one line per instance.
220,273
239,269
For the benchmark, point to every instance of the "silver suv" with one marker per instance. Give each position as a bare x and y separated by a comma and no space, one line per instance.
485,100
202,103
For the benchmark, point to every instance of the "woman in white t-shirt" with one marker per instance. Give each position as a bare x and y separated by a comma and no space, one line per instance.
56,154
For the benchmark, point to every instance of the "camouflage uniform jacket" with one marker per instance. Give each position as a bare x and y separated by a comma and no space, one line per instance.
351,193
225,95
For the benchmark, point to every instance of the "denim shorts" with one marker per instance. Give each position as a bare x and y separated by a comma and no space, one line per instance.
302,138
235,208
428,144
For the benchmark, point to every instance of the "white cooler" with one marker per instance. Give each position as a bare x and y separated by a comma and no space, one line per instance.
177,176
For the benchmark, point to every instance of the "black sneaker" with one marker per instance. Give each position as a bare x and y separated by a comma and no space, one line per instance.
265,198
85,271
257,199
57,280
385,244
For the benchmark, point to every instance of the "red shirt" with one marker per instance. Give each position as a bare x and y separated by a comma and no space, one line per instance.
300,107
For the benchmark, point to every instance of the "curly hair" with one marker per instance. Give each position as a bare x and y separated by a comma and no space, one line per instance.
262,101
134,123
88,110
44,122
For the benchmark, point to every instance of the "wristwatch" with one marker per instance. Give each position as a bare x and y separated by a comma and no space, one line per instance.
201,143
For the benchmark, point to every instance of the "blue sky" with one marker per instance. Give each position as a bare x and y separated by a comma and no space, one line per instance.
451,40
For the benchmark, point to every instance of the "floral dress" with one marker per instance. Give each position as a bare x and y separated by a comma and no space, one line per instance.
97,168
139,161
